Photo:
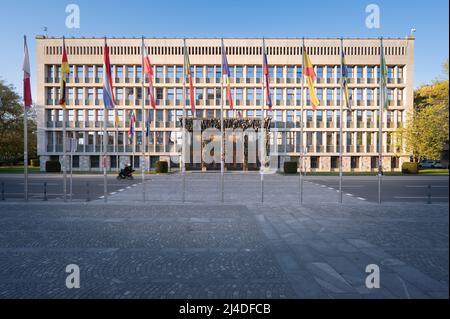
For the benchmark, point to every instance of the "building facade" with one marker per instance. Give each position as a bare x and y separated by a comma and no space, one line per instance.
321,127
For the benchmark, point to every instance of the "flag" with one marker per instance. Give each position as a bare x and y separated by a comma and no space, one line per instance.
108,95
148,69
27,100
117,119
147,126
344,79
310,78
188,74
383,74
226,76
267,79
132,123
64,73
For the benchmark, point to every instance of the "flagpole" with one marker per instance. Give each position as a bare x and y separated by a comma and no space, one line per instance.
340,121
105,141
380,122
25,136
143,122
263,137
117,138
301,122
183,165
64,145
222,146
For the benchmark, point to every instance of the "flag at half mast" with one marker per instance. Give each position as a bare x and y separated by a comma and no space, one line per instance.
226,75
188,75
310,78
64,74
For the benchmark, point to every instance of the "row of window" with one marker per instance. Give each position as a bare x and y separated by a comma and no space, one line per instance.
212,96
230,50
286,142
91,73
170,118
315,162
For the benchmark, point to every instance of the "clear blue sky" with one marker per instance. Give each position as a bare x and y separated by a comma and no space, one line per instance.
226,18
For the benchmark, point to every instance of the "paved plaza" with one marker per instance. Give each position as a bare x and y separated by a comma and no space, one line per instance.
164,248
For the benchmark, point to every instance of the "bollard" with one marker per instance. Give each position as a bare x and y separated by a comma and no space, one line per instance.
429,194
87,192
45,191
3,190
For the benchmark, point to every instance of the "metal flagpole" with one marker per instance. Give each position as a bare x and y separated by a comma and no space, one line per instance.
183,165
117,139
143,122
222,144
263,135
301,123
340,122
71,167
105,141
64,131
25,137
380,121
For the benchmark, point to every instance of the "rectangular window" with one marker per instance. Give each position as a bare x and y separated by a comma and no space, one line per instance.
314,162
95,161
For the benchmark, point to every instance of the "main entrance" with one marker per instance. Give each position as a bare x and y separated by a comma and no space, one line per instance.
241,149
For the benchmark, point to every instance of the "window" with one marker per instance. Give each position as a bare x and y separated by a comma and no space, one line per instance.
159,93
329,72
279,72
210,72
329,94
359,71
354,162
259,73
95,161
239,72
119,72
75,161
334,162
299,72
370,94
199,72
314,162
320,72
170,72
370,72
170,94
90,72
179,71
250,94
290,95
251,72
159,72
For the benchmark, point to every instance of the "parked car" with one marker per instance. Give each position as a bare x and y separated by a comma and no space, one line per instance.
430,164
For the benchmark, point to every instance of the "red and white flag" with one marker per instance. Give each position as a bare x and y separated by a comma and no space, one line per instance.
148,69
27,100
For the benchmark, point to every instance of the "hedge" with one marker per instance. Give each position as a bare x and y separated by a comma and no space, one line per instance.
35,163
162,167
52,166
290,167
410,168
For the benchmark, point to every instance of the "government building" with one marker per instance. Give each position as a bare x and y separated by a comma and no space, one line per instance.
320,127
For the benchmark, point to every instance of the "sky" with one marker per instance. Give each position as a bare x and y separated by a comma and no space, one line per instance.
225,18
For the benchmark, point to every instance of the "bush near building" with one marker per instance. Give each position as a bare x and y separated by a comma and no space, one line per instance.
53,167
290,167
162,167
410,168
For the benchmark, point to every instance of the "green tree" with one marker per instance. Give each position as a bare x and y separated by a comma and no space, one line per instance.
11,127
427,129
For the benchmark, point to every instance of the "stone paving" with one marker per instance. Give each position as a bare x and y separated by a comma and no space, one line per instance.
241,249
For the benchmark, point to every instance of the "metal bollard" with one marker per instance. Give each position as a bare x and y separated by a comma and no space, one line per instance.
88,198
3,190
429,194
45,192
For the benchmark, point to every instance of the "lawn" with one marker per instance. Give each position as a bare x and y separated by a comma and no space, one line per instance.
433,171
17,169
422,172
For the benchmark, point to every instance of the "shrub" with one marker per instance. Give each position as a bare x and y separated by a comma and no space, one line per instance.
290,167
162,167
35,163
410,168
52,166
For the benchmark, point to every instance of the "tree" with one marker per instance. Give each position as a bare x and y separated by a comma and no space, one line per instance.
426,132
11,127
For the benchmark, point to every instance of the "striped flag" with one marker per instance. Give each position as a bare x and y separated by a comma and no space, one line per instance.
226,76
188,74
132,123
383,74
64,74
344,79
147,126
148,69
267,78
310,78
108,94
117,119
27,100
